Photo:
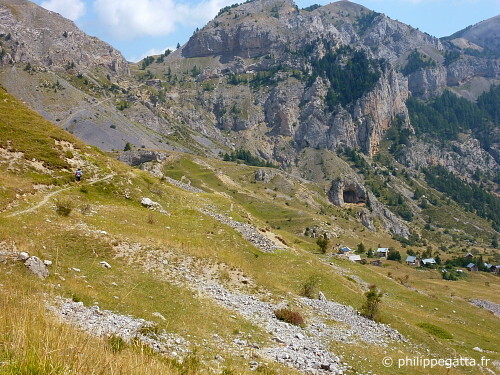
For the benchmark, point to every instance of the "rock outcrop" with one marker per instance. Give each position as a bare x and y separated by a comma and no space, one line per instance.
137,157
347,190
350,190
37,267
464,157
43,38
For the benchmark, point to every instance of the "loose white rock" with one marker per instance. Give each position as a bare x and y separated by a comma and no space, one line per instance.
105,264
23,256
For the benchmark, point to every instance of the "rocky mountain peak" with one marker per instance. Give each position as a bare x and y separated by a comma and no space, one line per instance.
32,34
485,35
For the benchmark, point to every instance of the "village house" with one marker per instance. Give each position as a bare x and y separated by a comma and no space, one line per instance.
355,258
382,252
345,250
472,267
412,260
428,262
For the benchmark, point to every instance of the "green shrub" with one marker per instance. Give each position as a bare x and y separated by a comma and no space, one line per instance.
64,207
289,316
435,330
322,243
310,287
370,308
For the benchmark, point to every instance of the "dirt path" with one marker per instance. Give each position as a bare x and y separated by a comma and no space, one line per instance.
51,194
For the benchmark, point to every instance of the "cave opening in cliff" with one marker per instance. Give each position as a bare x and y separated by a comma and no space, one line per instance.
350,196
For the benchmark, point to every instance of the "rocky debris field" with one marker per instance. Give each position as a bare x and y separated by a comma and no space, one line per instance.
249,232
99,322
487,305
358,327
296,347
183,186
305,349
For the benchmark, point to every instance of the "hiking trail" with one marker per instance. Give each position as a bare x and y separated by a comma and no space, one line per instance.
51,194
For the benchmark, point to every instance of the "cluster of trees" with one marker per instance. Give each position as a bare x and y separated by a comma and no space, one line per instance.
417,61
488,102
229,7
450,57
148,60
247,158
161,58
448,115
464,261
351,74
399,137
310,8
468,195
261,78
364,21
358,161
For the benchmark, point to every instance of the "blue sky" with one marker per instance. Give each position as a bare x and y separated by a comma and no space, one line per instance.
144,27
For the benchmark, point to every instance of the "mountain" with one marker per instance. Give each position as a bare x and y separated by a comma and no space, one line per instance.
276,80
484,35
71,78
248,160
277,83
196,265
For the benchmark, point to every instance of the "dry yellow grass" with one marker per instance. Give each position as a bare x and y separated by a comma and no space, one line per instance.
34,342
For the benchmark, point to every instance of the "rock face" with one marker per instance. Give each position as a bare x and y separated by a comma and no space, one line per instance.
464,157
350,190
390,221
259,36
45,38
347,190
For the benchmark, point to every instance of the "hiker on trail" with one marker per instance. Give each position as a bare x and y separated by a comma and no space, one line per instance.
78,174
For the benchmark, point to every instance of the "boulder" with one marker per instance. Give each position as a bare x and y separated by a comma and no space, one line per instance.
105,264
146,202
36,266
23,256
137,157
321,296
265,175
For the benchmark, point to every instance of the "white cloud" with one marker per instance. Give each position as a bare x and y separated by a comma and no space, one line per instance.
72,9
134,18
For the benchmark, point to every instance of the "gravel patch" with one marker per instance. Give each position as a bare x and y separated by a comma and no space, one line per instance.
487,305
249,232
183,186
101,323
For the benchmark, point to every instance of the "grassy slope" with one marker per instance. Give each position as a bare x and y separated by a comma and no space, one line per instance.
74,241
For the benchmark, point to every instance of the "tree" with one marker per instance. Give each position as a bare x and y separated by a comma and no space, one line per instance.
127,147
369,254
361,248
370,308
323,242
394,255
178,46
